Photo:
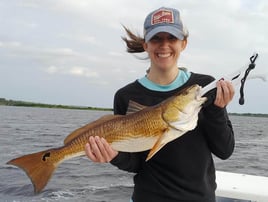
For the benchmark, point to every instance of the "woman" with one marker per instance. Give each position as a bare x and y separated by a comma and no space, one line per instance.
183,170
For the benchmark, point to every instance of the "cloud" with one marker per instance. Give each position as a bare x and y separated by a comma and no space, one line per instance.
116,54
10,44
73,71
17,49
66,52
53,70
81,38
84,72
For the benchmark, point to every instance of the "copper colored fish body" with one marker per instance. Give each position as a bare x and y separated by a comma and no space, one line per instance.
150,128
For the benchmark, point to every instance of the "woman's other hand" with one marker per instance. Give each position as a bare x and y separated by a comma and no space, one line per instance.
225,93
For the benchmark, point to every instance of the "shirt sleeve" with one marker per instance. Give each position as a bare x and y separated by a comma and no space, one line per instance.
130,162
218,131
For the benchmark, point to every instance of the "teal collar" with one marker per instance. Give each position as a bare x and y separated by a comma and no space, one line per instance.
181,78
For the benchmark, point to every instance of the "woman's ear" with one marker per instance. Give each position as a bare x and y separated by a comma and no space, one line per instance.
184,44
145,46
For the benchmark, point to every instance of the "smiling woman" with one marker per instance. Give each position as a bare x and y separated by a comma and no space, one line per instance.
169,175
38,35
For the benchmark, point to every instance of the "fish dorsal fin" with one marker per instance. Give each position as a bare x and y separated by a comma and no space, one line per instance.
134,107
81,130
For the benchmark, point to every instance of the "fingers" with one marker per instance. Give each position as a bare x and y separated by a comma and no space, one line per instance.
109,153
89,153
225,93
98,150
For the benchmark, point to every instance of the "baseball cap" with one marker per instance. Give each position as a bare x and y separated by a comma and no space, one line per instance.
164,20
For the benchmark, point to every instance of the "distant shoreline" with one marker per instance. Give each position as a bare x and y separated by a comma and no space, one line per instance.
249,114
17,103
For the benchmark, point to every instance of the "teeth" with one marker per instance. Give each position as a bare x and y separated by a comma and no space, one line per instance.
163,55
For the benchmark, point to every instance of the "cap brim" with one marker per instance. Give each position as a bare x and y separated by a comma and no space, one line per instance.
169,29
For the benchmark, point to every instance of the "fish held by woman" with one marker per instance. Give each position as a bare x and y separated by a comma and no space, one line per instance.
149,128
146,128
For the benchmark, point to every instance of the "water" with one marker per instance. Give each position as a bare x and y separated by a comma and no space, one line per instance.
25,130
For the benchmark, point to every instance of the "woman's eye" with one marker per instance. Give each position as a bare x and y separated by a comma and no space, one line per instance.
155,38
171,37
160,38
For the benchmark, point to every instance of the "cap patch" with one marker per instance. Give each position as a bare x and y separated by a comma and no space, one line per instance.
162,16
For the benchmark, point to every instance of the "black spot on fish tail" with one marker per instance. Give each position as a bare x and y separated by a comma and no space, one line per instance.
46,155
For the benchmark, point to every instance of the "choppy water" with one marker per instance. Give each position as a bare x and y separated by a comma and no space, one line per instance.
25,130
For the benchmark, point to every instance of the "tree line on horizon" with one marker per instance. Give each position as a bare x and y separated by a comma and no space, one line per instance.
19,103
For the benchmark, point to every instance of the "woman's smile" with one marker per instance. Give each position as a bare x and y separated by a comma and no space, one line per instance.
163,55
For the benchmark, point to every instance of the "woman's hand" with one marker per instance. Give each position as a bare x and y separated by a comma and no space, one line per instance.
98,150
225,93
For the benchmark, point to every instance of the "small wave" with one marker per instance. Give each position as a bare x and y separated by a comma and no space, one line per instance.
18,190
49,195
109,187
112,193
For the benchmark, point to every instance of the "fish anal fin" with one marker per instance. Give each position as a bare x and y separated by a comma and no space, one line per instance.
83,129
134,107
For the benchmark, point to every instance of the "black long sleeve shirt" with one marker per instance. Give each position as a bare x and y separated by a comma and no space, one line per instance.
183,170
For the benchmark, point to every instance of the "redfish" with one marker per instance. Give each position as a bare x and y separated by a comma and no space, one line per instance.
150,128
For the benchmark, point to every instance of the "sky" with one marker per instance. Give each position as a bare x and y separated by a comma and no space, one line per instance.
70,52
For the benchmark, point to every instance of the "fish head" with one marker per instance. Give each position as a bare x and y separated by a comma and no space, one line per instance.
181,111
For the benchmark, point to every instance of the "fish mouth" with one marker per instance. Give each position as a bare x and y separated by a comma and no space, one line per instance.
197,101
198,95
198,92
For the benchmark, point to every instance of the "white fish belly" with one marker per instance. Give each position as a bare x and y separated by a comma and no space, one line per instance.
135,144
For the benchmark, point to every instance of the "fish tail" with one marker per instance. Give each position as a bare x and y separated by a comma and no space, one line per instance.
38,166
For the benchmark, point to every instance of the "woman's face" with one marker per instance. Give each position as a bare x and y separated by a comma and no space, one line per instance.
164,50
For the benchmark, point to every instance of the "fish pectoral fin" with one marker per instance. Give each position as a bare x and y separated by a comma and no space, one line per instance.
169,135
87,127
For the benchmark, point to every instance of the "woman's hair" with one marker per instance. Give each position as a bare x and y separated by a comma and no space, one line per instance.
134,42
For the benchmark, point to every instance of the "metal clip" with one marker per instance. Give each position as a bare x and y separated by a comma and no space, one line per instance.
251,66
239,77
